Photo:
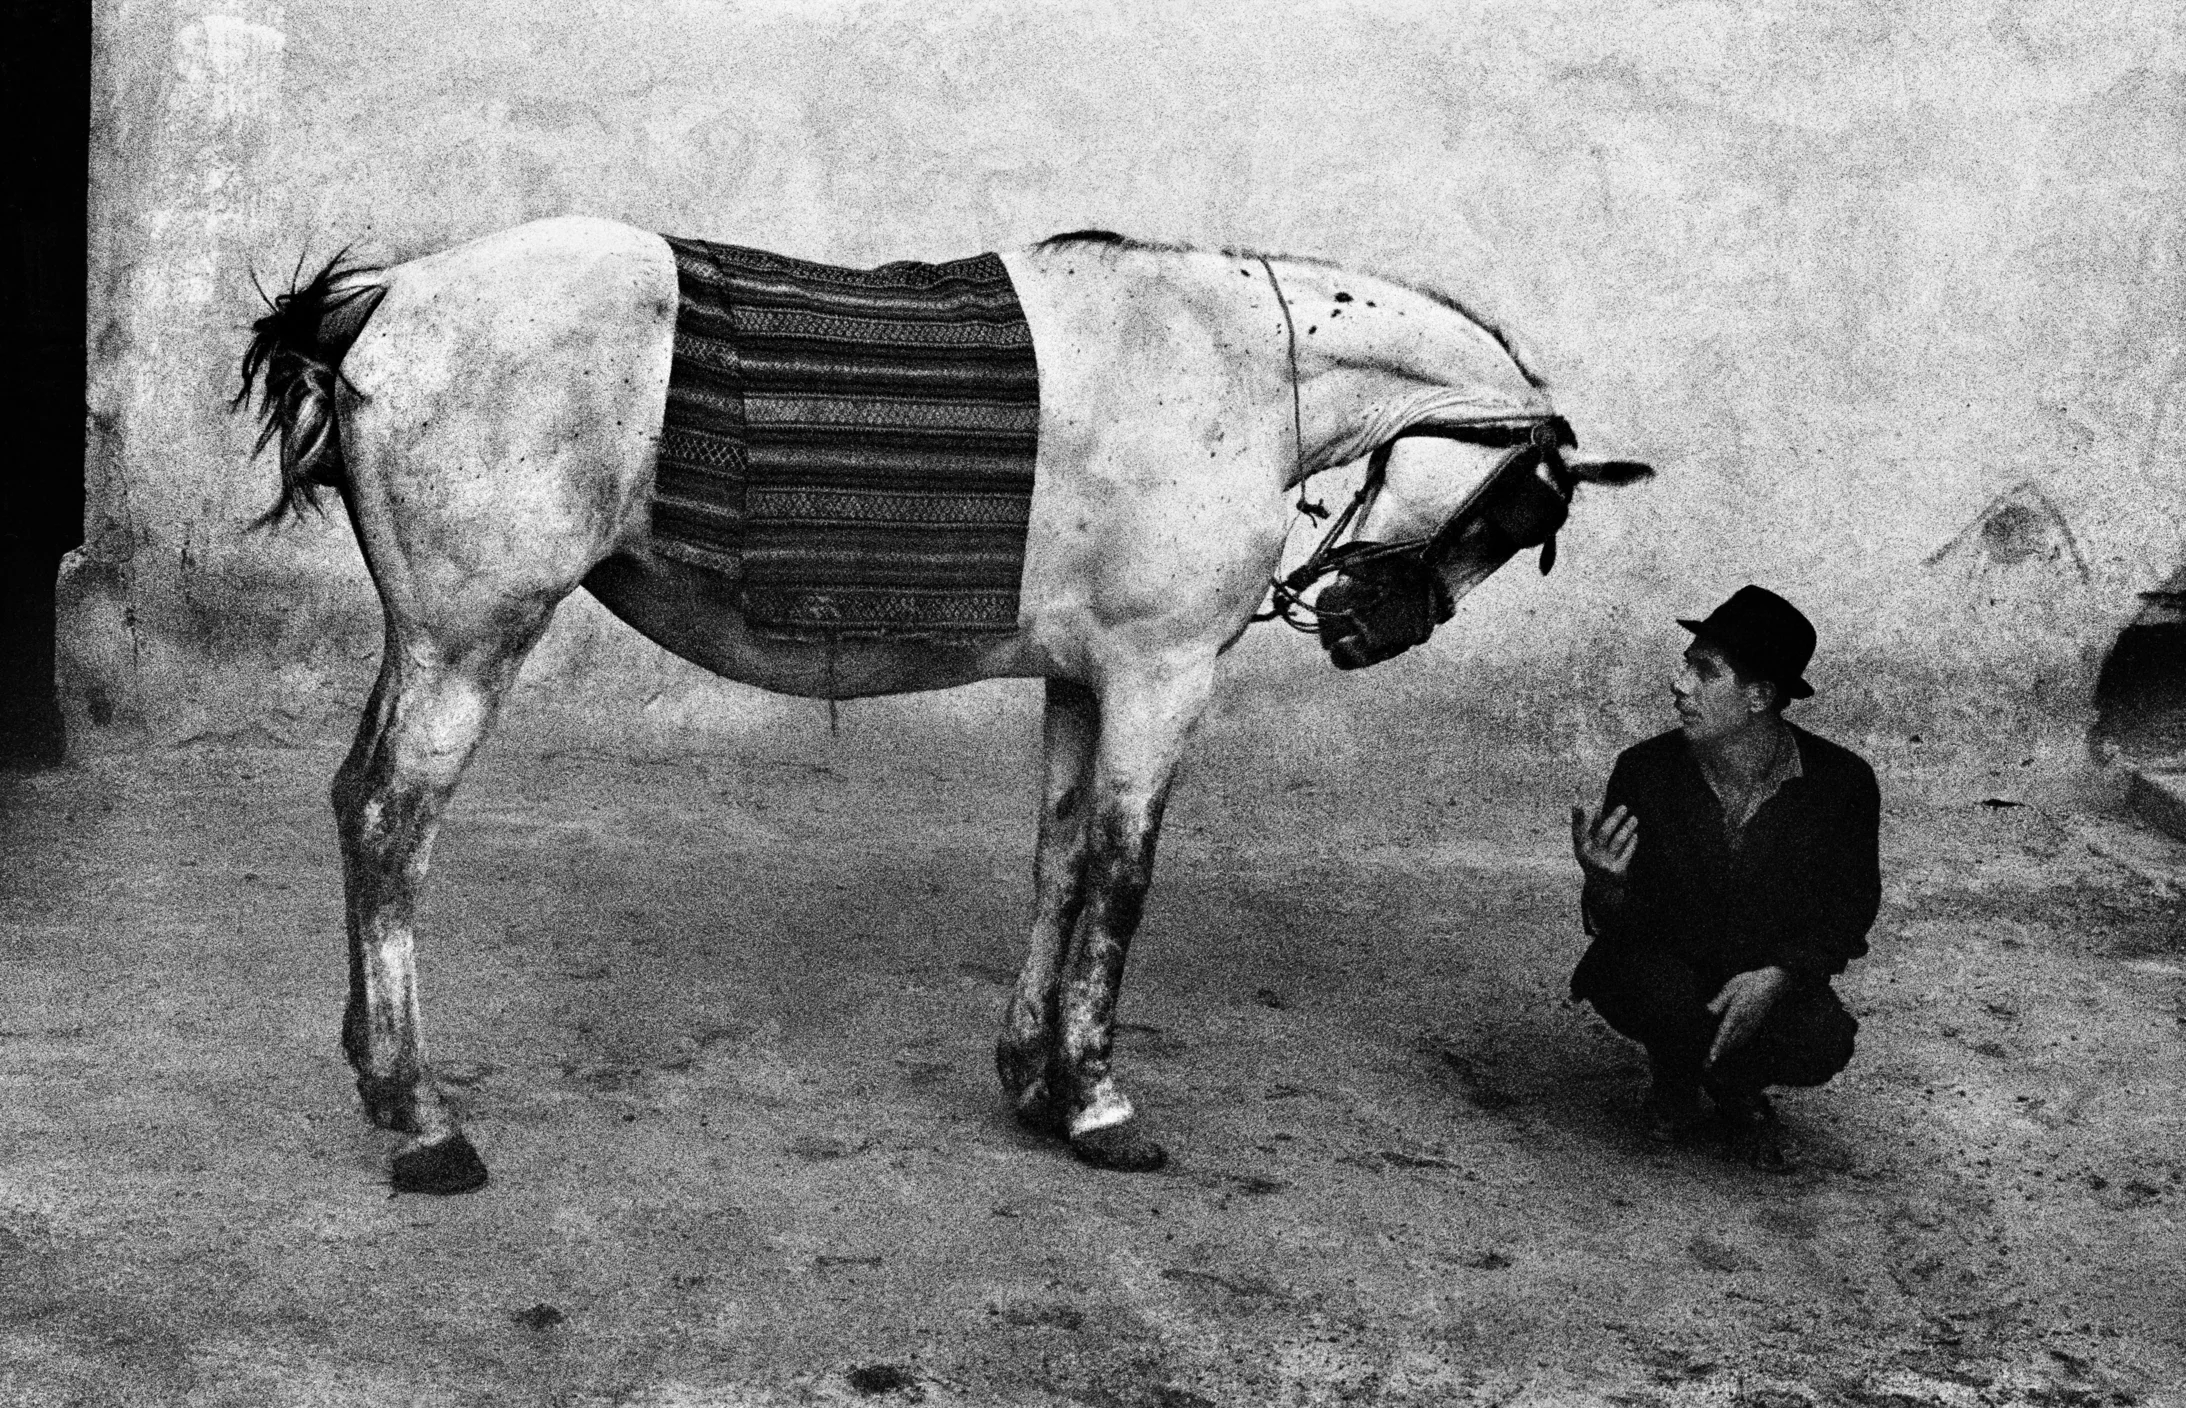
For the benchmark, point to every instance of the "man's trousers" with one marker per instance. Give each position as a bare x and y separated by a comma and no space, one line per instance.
1660,1000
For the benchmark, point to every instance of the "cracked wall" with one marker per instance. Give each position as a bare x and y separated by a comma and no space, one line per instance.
1890,294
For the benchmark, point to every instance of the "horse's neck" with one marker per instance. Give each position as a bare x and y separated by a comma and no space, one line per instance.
1375,358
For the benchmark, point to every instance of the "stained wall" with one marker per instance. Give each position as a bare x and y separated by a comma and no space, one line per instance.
1889,292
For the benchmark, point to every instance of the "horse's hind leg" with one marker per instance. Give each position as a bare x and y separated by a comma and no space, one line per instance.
430,710
1026,1054
497,421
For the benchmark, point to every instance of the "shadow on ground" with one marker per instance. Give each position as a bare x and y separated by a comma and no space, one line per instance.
722,1028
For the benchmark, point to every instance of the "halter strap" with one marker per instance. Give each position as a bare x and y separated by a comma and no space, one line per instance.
1533,443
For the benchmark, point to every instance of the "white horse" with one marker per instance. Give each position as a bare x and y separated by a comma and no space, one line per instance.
490,416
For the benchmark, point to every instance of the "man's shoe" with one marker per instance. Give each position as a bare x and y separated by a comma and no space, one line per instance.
1753,1135
1674,1112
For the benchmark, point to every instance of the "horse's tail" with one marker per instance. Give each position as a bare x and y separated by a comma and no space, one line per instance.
295,358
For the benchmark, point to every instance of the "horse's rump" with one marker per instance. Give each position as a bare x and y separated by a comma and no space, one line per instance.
854,448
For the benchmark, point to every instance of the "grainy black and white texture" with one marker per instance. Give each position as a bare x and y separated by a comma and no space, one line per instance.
1891,297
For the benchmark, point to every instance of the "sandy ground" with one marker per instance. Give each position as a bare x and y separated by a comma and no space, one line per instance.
722,1024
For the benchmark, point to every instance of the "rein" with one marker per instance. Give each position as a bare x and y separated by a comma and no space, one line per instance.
1290,331
1289,606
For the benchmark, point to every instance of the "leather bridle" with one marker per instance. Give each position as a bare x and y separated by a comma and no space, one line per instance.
1534,458
1533,465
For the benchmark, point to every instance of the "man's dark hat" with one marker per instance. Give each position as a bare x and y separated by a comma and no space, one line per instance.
1764,635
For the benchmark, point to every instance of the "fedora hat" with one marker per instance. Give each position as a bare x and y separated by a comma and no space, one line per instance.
1765,637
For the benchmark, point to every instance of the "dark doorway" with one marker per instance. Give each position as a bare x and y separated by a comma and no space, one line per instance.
2140,696
45,85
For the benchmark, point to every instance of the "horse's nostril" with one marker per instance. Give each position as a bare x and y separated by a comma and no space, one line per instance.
1348,653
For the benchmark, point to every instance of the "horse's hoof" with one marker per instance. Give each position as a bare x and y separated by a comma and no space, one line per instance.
1119,1148
1042,1113
450,1166
389,1104
1022,1067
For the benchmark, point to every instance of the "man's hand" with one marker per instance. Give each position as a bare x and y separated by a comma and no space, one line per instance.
1604,844
1742,1004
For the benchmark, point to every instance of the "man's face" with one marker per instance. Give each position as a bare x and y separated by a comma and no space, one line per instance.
1710,701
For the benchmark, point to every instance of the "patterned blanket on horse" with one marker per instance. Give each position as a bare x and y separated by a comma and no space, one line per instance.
852,447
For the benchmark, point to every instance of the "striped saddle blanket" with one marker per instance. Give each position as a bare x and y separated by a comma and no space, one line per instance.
853,448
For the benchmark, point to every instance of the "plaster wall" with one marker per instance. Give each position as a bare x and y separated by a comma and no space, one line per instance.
1889,292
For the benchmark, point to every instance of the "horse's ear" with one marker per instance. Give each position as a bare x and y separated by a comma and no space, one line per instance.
1610,472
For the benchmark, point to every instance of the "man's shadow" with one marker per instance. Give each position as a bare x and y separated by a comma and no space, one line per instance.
1556,1074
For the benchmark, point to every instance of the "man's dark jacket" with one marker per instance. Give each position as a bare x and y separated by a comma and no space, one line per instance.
1798,890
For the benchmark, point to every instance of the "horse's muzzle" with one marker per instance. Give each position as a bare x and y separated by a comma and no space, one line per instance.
1388,598
1380,609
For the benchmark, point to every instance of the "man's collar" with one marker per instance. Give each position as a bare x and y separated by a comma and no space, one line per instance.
1784,764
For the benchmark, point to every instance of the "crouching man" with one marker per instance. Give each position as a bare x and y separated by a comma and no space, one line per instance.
1730,874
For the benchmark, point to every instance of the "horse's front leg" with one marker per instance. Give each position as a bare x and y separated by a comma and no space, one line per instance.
1144,724
1026,1054
425,720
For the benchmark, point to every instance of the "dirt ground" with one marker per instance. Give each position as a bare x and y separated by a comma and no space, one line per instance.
722,1022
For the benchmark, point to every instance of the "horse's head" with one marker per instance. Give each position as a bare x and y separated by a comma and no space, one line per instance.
1449,505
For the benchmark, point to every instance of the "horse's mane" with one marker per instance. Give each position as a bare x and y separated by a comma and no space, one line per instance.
1486,324
1116,241
1436,296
